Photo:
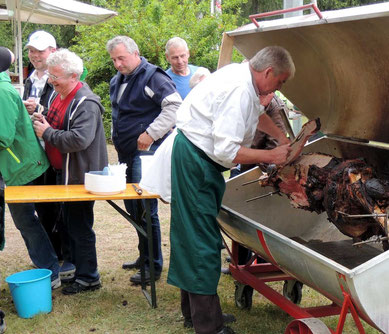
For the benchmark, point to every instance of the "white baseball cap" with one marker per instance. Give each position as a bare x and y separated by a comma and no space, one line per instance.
41,40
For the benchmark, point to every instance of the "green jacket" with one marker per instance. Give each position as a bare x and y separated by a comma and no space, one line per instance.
22,158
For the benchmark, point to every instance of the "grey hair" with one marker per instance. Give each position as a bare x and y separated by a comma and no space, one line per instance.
175,42
276,57
67,60
128,42
199,75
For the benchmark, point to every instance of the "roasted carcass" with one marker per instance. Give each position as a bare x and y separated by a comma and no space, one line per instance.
343,188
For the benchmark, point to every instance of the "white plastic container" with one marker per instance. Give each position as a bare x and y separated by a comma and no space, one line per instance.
99,183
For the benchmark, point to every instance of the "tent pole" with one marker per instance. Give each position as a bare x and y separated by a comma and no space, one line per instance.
19,37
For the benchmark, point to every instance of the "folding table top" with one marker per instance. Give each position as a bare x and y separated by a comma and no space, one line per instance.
69,193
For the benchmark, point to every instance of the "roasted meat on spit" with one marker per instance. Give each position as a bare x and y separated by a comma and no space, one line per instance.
355,200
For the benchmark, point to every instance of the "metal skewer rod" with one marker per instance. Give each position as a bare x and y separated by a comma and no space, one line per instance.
262,196
375,238
374,215
250,182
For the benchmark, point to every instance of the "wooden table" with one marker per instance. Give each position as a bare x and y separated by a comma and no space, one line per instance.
77,192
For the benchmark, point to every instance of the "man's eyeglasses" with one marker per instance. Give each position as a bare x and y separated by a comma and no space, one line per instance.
54,77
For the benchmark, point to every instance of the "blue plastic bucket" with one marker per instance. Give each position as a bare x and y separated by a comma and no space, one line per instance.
31,292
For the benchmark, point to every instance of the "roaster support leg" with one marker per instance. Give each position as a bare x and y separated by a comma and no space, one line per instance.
348,306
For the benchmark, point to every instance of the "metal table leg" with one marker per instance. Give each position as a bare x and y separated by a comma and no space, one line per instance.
151,255
145,235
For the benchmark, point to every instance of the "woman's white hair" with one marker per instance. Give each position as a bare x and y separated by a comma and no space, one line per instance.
67,60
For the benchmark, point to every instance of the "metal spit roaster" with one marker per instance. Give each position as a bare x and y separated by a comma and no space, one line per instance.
342,77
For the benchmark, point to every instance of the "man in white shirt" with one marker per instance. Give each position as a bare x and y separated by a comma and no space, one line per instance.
37,90
215,128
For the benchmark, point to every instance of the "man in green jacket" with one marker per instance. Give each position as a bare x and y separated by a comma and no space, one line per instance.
22,160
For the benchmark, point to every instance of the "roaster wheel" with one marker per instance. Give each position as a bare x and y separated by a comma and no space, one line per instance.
307,326
243,296
292,290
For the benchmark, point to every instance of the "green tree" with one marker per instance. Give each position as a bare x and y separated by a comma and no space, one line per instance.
338,4
63,34
263,6
151,23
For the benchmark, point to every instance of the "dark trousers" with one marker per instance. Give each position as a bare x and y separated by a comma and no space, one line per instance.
134,175
51,217
204,310
78,218
48,214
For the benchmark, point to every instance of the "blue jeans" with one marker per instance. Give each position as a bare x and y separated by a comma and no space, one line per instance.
134,174
78,219
38,244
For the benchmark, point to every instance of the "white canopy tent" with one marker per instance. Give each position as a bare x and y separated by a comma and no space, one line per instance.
61,12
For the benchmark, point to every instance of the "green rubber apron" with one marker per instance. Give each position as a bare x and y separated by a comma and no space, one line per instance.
197,191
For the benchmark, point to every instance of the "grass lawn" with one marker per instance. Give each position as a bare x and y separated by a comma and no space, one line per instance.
119,307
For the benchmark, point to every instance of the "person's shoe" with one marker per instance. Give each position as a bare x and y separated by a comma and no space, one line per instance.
132,265
227,319
77,287
55,283
67,272
2,322
226,330
225,271
136,279
188,323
